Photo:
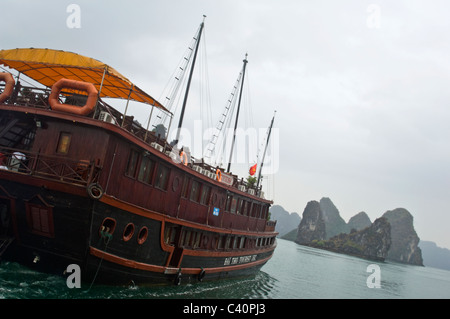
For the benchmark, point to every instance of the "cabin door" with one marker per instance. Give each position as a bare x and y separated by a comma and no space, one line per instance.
178,251
174,194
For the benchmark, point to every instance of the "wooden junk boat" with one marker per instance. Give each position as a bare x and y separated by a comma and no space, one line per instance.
82,183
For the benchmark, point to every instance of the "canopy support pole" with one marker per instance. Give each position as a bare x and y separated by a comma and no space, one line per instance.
126,107
100,90
103,79
148,123
170,123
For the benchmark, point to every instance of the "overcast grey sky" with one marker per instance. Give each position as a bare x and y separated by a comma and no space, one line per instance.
360,87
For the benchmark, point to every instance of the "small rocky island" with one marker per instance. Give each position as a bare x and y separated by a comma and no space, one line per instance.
391,237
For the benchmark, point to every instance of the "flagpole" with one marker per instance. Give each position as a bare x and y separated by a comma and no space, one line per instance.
265,149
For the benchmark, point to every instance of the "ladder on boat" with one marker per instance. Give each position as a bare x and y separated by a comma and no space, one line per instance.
222,122
4,244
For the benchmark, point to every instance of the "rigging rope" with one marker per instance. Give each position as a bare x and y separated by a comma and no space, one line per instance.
175,82
224,122
205,96
106,239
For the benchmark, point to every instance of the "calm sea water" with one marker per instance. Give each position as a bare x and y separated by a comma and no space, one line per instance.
294,272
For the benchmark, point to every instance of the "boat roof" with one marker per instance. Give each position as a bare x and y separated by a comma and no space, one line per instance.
46,66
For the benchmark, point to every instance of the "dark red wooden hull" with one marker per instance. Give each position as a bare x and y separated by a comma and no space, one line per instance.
77,239
87,205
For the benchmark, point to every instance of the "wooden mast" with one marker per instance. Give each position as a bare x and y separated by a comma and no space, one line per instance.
265,149
180,123
237,112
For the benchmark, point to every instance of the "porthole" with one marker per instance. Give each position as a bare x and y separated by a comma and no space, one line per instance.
108,226
128,232
142,235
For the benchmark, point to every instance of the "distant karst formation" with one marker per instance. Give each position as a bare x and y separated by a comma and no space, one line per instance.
405,241
285,221
391,236
372,242
312,226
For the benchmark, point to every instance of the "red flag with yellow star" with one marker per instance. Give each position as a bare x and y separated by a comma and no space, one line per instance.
252,170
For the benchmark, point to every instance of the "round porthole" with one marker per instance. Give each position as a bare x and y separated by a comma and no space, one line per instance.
108,226
128,232
142,236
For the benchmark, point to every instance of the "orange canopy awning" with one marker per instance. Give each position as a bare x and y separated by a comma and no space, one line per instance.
47,66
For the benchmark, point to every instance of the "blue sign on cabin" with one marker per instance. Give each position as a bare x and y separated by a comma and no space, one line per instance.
216,211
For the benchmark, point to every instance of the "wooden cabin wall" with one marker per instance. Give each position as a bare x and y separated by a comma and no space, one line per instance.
86,143
170,201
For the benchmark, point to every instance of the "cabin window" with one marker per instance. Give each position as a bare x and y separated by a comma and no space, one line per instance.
242,243
221,243
132,163
229,200
197,240
63,143
233,205
204,198
227,243
181,240
187,238
40,219
170,235
249,209
235,242
264,214
145,170
184,190
261,211
241,205
244,208
258,211
162,177
195,191
204,241
255,210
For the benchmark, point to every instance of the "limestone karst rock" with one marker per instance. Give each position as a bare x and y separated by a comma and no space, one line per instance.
312,225
359,221
404,247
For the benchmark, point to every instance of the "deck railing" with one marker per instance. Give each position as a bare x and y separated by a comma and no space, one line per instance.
270,225
81,172
38,98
